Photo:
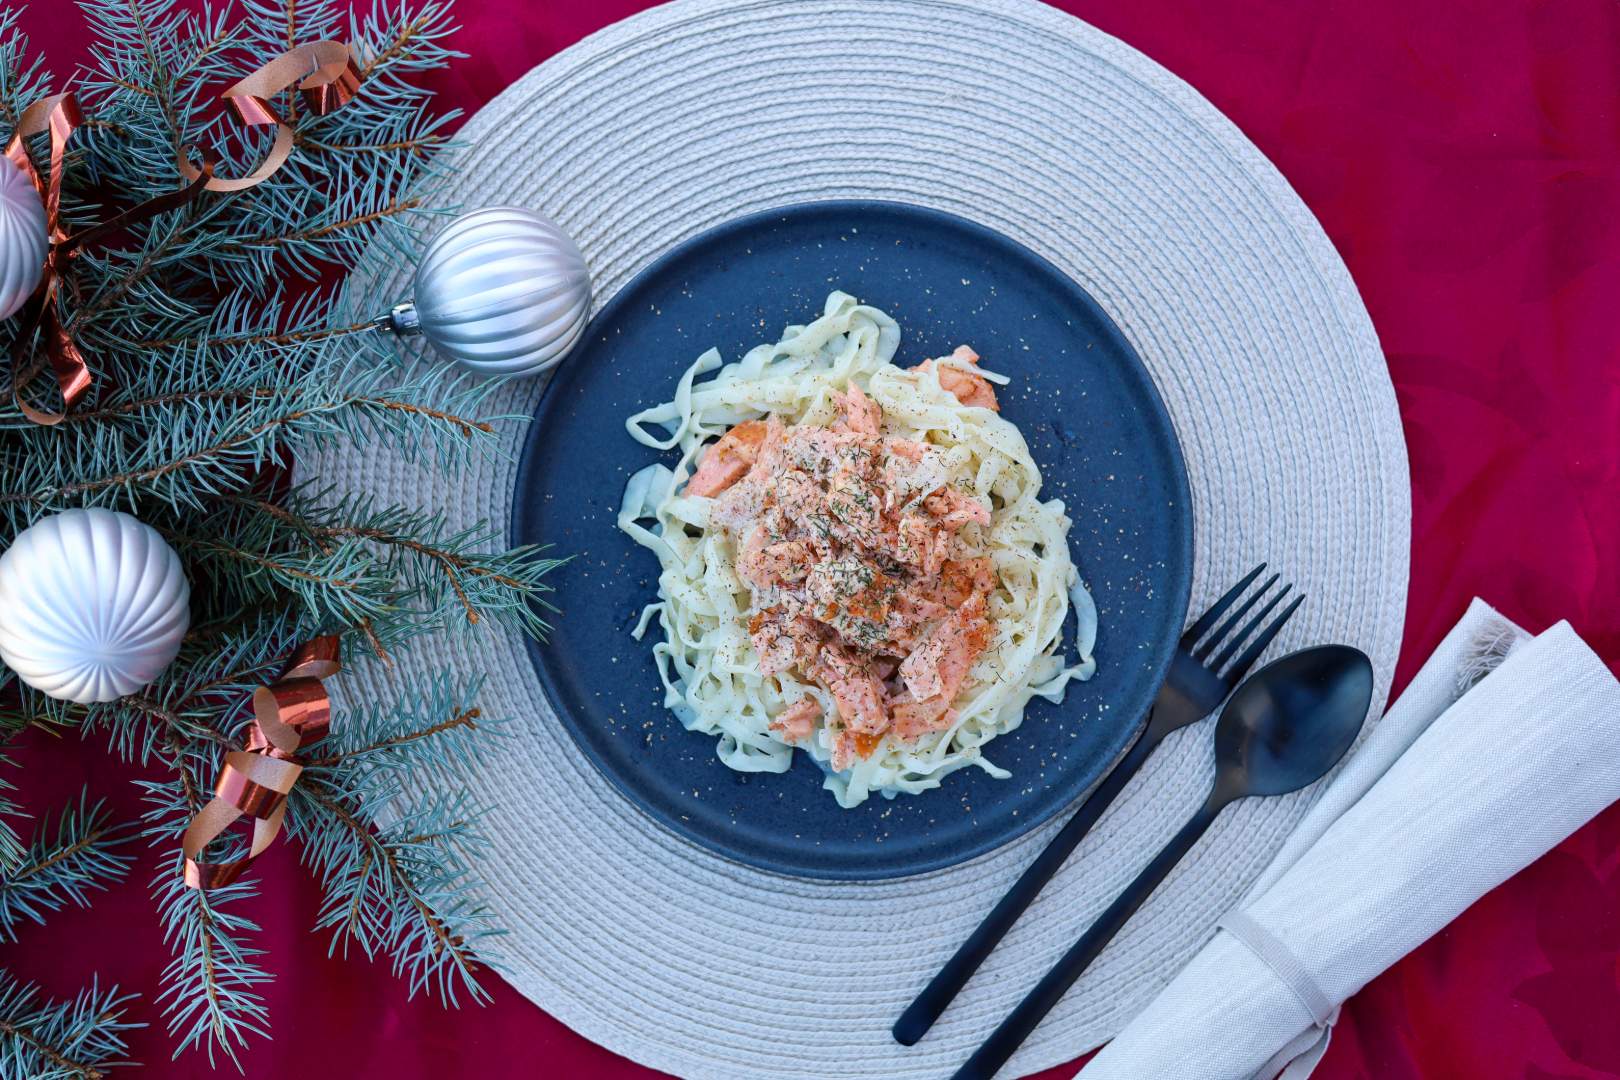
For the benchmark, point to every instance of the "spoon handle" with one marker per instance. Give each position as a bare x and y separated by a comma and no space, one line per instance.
1008,1037
943,988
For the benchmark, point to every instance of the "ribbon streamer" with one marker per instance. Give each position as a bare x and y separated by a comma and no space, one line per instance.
255,782
61,116
327,78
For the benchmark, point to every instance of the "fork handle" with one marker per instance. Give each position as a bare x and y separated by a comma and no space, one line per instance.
921,1013
1028,1014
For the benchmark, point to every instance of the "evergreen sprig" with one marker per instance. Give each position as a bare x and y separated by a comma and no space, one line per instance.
64,867
66,1040
211,991
222,353
396,873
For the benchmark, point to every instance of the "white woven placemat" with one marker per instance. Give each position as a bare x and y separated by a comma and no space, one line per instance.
1022,118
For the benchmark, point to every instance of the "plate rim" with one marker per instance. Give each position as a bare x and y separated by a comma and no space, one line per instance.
1158,663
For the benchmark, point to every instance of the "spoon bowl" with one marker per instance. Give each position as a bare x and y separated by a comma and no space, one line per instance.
1293,721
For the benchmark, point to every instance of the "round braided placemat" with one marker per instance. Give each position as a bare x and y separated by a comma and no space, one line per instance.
1032,123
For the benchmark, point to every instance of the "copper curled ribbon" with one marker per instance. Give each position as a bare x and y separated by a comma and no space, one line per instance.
60,116
255,782
327,78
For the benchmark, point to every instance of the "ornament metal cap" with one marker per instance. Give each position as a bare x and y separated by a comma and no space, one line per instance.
401,319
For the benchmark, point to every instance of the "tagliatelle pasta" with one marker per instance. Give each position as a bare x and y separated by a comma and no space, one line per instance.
861,567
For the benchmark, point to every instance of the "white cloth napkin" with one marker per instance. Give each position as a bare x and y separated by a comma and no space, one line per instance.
1501,746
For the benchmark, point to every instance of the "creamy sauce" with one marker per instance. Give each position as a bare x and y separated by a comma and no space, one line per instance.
850,542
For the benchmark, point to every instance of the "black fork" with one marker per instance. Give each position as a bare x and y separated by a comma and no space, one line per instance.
1200,678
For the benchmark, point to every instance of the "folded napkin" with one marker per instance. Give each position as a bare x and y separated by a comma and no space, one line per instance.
1501,746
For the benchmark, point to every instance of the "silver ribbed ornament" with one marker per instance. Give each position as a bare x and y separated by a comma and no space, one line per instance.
23,242
500,291
93,605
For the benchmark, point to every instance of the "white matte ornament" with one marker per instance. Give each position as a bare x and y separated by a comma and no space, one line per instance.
92,605
501,291
23,242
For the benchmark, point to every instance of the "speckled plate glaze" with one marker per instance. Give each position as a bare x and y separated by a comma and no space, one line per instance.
1094,423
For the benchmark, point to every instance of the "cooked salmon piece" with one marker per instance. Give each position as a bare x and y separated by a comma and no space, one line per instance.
725,462
911,471
829,584
855,687
920,542
782,638
796,724
920,606
824,451
961,579
915,719
908,449
768,456
956,508
856,503
936,670
763,563
969,388
920,609
857,412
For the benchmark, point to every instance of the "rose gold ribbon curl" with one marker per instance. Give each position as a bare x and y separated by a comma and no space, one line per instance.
326,77
60,115
255,782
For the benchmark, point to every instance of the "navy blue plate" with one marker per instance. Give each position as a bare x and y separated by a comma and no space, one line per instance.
1094,423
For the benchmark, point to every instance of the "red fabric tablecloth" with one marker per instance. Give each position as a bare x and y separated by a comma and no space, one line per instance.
1463,158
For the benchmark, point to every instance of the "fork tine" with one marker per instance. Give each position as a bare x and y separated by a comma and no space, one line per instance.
1243,663
1207,619
1232,620
1248,628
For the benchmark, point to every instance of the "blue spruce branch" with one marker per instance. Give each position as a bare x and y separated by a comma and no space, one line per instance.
65,867
395,864
68,1040
11,846
211,994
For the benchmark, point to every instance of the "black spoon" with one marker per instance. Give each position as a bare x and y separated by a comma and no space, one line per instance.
1282,730
1199,681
